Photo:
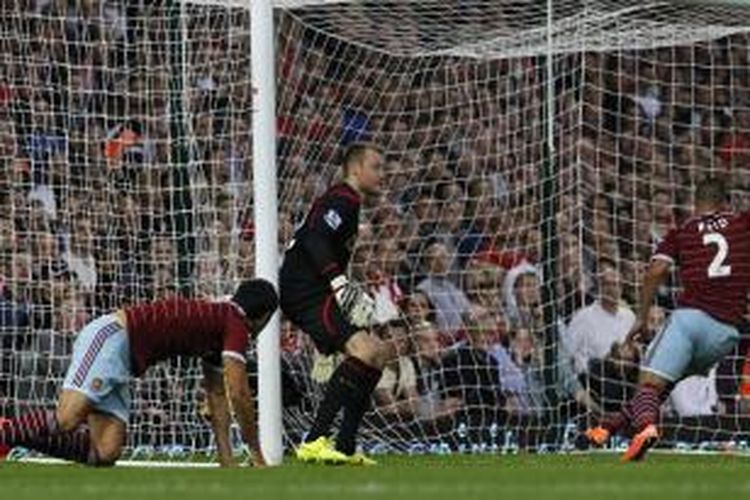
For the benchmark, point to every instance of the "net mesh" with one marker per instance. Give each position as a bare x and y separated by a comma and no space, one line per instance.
126,176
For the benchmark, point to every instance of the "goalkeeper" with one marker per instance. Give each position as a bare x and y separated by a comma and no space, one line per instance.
317,296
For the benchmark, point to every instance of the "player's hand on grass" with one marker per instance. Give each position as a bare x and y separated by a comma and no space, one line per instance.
226,461
257,458
358,306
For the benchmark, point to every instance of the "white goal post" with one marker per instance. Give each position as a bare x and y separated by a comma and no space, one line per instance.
266,217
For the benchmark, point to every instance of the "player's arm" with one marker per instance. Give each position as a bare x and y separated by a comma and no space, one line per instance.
218,409
327,228
242,401
665,256
656,275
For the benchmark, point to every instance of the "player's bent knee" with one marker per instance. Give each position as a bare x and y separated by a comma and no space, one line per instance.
650,378
106,455
108,460
72,410
368,349
67,420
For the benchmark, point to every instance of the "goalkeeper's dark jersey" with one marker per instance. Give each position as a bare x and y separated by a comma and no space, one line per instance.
322,246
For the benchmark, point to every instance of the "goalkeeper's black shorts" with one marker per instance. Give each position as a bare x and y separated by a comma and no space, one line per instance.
321,318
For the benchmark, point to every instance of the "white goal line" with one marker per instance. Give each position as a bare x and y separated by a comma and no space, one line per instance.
148,464
161,464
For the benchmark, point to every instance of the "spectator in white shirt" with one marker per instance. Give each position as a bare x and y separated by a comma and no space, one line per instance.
594,328
449,300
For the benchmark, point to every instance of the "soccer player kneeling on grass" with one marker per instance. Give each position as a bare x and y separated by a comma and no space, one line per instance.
317,296
89,424
712,250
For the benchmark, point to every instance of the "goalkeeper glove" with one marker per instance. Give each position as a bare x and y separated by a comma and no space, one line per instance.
356,304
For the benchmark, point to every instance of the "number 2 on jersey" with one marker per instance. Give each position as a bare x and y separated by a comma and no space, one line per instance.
717,268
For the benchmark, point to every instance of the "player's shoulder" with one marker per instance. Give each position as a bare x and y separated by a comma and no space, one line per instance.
168,303
191,306
220,312
339,206
743,216
736,222
689,224
342,193
223,305
718,221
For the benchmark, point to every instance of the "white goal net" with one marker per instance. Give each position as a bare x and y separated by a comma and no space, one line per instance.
534,159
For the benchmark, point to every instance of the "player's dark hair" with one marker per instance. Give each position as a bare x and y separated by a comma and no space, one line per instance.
256,298
356,153
711,190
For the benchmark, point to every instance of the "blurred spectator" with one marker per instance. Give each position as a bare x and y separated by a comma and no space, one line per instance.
479,215
469,371
734,146
522,298
396,394
594,329
483,285
427,362
649,100
744,386
663,215
418,308
483,335
450,301
70,314
208,276
79,256
526,355
382,279
575,271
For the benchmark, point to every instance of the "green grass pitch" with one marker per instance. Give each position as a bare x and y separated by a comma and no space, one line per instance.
522,477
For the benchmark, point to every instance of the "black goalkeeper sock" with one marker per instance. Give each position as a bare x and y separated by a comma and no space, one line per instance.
359,387
332,401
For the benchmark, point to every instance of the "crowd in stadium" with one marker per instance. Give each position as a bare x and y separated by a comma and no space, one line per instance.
92,209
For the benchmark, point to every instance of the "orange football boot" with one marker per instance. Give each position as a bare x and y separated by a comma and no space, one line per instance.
598,435
641,443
